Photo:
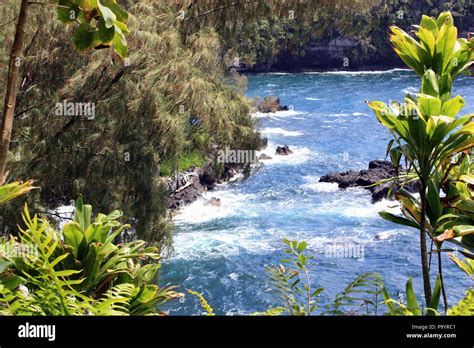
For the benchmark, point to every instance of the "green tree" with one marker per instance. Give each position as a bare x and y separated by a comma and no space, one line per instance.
100,25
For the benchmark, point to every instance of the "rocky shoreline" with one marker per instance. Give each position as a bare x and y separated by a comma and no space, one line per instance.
188,186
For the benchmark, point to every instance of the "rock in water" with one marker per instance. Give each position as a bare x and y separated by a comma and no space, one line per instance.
271,104
378,170
264,157
216,202
283,150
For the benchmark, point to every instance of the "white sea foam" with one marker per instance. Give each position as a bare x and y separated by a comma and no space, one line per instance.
278,114
281,131
368,72
199,211
205,244
300,155
355,203
316,186
312,98
411,90
372,210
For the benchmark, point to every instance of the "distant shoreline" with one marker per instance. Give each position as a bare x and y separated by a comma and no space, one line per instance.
373,68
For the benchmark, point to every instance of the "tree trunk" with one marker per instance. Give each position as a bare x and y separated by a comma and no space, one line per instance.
424,254
12,87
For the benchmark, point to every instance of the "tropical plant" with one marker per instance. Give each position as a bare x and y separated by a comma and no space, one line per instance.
13,190
412,307
80,270
362,293
361,296
426,128
465,307
292,284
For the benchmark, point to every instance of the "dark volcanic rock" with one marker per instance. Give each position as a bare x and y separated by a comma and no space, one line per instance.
283,150
271,104
188,186
378,170
264,157
208,177
185,188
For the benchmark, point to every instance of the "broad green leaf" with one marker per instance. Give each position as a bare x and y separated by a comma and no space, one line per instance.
398,219
445,18
453,106
412,302
67,11
302,246
429,24
429,84
429,105
434,303
105,34
83,37
108,14
122,16
73,236
120,44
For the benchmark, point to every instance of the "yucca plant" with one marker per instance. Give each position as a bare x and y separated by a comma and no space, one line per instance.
426,128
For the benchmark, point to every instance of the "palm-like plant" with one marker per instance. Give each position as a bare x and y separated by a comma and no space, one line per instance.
426,129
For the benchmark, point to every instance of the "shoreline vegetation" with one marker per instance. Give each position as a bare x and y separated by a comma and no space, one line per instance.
160,120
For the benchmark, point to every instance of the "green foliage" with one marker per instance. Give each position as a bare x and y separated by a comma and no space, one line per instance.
292,284
79,271
257,31
297,299
102,23
13,190
412,307
465,306
204,304
431,137
362,293
467,266
185,161
439,50
170,98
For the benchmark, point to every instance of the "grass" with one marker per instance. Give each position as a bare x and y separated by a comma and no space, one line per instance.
185,161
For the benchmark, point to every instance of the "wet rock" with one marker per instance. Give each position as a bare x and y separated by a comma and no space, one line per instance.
378,171
216,202
271,104
208,177
264,157
283,150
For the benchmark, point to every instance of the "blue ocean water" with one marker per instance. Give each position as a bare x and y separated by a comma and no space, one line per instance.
222,251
